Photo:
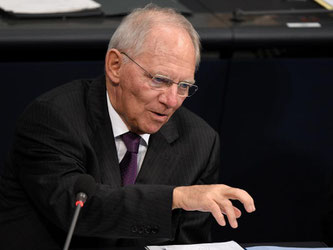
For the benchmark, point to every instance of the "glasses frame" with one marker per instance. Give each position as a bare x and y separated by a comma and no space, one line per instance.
189,84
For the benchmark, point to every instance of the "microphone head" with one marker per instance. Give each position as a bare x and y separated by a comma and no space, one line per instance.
85,184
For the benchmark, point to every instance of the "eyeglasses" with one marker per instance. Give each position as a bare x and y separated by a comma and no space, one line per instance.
160,82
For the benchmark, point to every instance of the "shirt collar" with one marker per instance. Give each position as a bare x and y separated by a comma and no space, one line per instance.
118,126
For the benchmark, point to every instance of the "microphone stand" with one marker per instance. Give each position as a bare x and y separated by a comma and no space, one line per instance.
80,199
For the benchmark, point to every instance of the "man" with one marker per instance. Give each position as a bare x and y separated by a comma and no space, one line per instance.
80,128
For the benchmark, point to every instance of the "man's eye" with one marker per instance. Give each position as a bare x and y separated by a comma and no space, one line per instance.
183,85
161,80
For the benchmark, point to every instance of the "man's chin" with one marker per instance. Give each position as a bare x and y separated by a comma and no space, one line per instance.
152,129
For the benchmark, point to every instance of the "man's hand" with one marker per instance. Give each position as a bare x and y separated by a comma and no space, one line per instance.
214,199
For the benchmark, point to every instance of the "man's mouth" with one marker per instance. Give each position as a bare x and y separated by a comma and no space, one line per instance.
159,114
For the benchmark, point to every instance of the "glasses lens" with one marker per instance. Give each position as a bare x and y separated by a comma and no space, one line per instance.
184,89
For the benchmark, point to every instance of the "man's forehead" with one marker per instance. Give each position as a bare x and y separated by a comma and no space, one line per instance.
169,41
167,35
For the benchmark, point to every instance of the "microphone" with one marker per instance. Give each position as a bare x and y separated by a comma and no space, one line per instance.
84,188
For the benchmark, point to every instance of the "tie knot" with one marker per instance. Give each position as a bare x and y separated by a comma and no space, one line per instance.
132,141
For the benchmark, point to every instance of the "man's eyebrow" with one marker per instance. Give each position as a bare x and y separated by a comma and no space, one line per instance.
189,81
170,78
164,75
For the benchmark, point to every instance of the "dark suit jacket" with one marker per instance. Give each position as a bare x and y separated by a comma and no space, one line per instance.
67,132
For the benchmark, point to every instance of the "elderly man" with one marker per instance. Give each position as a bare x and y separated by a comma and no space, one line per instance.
152,160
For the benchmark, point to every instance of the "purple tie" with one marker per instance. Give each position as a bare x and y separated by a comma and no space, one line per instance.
129,164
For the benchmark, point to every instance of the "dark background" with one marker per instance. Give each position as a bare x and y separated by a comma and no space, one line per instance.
265,88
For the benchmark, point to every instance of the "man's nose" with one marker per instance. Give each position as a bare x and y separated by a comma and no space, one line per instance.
170,96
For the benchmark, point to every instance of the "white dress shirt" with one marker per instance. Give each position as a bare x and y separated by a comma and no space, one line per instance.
119,128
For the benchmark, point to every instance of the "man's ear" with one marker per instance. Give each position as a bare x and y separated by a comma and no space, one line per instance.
113,62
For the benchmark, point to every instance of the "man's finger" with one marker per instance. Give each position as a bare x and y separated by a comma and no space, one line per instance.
219,217
238,213
243,197
228,209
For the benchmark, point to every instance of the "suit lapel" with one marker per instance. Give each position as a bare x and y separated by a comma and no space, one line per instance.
161,158
102,134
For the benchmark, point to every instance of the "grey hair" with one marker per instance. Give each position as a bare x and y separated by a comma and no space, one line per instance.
134,28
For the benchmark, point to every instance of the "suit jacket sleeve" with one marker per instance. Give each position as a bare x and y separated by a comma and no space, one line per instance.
49,154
